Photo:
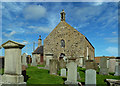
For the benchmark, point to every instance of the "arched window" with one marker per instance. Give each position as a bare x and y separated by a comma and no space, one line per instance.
62,43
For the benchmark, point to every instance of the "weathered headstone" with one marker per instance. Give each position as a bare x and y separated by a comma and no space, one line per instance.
117,69
112,65
72,72
24,57
78,76
62,63
34,63
48,57
12,68
90,64
53,66
90,77
103,66
63,72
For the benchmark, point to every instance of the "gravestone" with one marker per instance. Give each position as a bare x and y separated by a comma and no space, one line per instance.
34,63
90,64
78,76
62,63
103,66
12,67
90,77
112,65
53,66
48,57
24,57
63,72
72,72
117,69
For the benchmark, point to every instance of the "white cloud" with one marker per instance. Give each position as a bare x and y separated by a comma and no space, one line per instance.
112,40
9,34
38,29
114,33
97,3
34,12
24,42
112,50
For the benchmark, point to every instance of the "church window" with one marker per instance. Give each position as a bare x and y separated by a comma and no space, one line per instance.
62,43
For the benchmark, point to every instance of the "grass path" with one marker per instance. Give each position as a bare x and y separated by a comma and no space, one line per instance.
42,76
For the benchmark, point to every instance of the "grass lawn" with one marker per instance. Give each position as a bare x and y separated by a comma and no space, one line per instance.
100,78
42,76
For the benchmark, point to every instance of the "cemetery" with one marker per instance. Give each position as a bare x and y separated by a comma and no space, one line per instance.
58,63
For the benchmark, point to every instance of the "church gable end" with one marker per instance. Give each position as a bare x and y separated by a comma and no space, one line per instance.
74,42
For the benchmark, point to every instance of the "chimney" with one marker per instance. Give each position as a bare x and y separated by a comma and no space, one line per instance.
39,41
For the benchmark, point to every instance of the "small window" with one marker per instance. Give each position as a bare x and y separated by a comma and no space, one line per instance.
62,43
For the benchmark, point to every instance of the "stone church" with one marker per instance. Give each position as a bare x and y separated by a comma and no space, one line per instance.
65,41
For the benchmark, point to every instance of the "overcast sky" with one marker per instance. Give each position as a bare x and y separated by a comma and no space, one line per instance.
24,21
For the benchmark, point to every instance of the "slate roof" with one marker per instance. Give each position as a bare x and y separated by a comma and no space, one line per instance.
38,50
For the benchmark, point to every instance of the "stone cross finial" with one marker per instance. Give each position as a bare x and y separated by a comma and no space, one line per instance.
62,15
39,36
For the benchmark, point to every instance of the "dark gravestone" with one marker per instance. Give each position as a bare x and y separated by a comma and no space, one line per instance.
103,66
53,66
91,64
62,63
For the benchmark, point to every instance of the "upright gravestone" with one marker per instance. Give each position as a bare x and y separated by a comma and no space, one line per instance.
103,66
48,57
90,64
12,67
72,72
90,77
24,57
112,65
62,63
78,76
63,72
117,69
34,63
53,66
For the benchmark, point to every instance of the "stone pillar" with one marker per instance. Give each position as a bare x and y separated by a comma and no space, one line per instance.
90,77
34,63
72,72
24,57
12,67
48,57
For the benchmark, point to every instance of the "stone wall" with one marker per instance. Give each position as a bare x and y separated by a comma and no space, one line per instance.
75,42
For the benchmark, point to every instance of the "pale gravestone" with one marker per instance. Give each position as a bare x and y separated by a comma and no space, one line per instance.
63,72
34,63
117,69
90,77
112,65
53,66
103,66
24,57
48,57
12,67
78,76
72,72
